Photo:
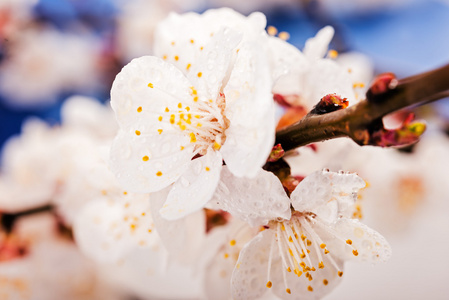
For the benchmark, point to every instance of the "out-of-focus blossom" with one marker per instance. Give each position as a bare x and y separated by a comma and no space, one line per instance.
314,242
215,101
49,266
312,75
42,63
51,164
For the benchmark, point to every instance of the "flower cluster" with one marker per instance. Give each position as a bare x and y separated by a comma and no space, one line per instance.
197,124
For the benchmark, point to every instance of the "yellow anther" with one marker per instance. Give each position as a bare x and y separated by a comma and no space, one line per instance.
232,242
133,226
309,243
325,282
226,255
282,226
289,270
288,291
303,237
166,109
321,265
143,214
195,98
173,43
284,35
159,130
290,251
302,255
358,85
103,192
322,246
159,173
197,116
145,158
355,252
164,57
326,251
310,278
313,269
310,289
125,193
188,66
200,74
188,109
139,109
201,48
150,85
192,137
179,105
269,284
340,273
182,127
349,242
176,57
198,125
290,239
149,230
192,41
332,53
182,148
137,132
272,30
160,118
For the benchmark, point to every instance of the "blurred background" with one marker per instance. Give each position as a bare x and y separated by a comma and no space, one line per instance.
53,49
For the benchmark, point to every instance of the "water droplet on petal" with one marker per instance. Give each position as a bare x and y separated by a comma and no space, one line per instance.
184,182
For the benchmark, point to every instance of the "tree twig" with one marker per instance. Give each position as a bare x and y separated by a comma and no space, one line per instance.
355,120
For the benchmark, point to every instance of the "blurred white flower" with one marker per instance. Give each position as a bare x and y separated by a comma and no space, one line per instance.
216,105
312,75
59,164
43,63
314,242
50,266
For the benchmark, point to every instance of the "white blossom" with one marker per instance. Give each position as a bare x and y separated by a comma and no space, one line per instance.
214,102
301,256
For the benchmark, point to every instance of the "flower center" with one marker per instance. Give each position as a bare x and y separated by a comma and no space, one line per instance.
301,249
203,121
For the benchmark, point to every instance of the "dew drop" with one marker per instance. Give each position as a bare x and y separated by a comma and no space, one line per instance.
184,182
367,245
165,148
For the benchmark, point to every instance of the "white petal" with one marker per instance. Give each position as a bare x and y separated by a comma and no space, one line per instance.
181,237
250,110
194,188
326,194
371,246
106,230
213,63
249,278
317,46
285,57
143,90
165,164
256,201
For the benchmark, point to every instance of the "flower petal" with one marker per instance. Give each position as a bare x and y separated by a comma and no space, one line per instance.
367,245
143,92
256,200
317,46
326,194
148,165
195,188
182,237
106,230
249,277
250,110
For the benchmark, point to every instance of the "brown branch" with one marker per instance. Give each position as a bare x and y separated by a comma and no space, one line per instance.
354,121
